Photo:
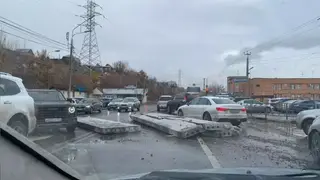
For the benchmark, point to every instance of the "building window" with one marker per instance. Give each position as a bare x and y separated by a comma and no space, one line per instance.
311,86
279,86
292,95
292,86
284,86
298,86
316,86
257,85
274,87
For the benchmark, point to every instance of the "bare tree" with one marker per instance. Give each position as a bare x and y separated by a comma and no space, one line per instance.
42,55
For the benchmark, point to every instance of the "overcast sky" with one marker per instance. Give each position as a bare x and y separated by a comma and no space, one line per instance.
203,38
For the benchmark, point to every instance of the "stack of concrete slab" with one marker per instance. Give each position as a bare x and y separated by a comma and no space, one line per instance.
177,128
208,128
103,126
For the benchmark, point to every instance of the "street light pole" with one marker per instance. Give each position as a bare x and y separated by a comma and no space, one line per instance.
71,51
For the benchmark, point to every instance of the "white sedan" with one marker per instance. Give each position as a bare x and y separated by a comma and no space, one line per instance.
214,109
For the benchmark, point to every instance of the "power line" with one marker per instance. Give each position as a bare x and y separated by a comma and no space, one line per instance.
36,37
30,40
29,31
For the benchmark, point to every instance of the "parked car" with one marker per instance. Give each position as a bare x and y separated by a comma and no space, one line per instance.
304,105
278,106
114,103
214,109
175,103
89,105
16,105
305,118
105,101
129,104
53,110
314,139
285,106
162,102
254,106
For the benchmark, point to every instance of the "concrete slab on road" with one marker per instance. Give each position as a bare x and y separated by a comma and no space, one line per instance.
104,126
176,128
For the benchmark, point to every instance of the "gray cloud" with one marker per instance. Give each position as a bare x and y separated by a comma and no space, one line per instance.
298,40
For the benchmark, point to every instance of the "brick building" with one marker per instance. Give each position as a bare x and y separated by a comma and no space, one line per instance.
275,87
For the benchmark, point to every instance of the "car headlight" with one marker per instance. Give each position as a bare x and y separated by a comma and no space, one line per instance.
88,106
72,110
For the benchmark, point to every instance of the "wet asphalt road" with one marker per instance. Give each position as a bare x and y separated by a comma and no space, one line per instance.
260,144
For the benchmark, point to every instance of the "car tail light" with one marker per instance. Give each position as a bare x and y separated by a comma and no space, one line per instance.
222,109
243,110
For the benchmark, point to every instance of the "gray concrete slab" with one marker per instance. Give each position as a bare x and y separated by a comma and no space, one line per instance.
104,126
176,128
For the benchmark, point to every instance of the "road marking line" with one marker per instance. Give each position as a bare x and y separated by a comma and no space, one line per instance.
70,141
74,142
213,160
35,138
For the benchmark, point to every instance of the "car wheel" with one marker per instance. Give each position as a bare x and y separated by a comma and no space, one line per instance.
20,127
71,129
180,113
314,145
99,110
306,125
18,123
206,116
158,109
236,123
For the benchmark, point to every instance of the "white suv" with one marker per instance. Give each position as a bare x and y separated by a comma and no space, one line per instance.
16,106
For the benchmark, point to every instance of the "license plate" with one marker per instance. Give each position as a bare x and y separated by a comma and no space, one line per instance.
234,111
53,119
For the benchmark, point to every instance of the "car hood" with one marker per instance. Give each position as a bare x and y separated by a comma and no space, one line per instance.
241,171
311,111
83,104
52,103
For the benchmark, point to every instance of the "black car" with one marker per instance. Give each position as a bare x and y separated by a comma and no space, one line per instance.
179,100
105,102
304,105
53,110
89,105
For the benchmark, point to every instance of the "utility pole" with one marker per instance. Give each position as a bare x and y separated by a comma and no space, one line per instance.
179,78
204,83
247,53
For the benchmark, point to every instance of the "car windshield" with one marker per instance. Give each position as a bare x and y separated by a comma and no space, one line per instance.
123,59
46,95
117,100
128,100
222,101
165,98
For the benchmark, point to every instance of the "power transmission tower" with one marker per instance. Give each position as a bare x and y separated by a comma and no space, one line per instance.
179,78
90,54
247,71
